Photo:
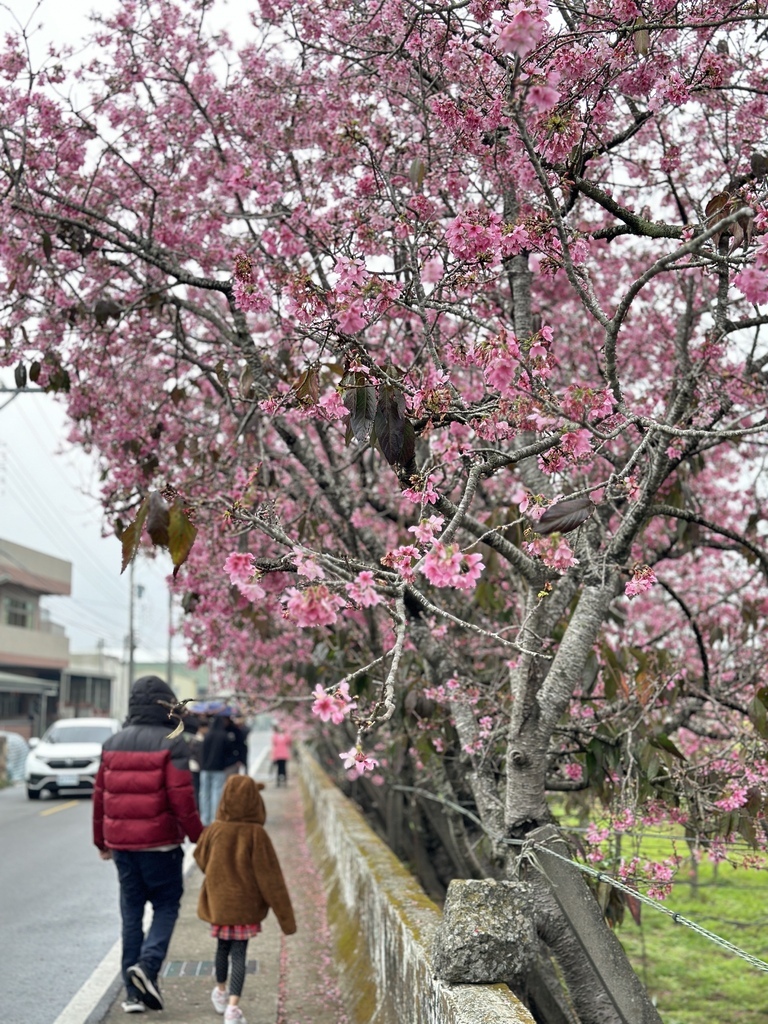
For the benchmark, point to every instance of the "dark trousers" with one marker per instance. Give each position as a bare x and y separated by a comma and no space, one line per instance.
282,770
148,877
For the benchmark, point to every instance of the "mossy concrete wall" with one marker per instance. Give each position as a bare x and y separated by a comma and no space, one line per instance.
383,924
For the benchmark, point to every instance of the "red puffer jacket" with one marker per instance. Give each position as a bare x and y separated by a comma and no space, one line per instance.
143,796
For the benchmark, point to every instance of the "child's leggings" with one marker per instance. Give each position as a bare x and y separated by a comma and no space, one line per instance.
236,950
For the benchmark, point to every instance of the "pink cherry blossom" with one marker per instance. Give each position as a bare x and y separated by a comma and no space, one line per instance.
426,529
363,590
239,566
643,578
333,707
521,35
313,606
446,566
306,565
358,762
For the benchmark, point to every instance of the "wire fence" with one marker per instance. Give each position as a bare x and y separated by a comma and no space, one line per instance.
528,847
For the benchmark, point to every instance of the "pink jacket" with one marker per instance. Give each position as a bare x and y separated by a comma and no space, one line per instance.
281,746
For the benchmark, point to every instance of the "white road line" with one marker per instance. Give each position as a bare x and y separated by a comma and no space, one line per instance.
85,1001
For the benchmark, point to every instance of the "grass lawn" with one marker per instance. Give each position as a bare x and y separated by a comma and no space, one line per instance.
692,980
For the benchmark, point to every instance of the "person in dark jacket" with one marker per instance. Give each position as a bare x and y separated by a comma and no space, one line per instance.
243,881
222,754
143,807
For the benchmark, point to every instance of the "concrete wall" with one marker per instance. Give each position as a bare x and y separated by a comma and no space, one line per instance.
34,571
31,648
383,924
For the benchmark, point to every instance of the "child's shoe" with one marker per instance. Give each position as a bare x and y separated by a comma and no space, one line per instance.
219,999
234,1013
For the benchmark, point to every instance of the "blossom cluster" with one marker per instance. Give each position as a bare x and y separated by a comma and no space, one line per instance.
312,606
242,573
333,707
448,566
643,578
358,762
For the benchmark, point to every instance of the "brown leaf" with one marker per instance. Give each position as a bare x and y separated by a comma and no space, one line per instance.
397,443
308,387
564,516
417,172
131,536
245,384
634,906
158,519
720,206
181,535
641,38
177,731
104,309
222,373
360,400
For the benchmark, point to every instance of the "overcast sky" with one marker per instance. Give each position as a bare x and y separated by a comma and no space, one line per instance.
48,502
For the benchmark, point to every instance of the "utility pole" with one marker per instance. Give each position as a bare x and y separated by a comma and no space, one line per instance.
170,637
131,637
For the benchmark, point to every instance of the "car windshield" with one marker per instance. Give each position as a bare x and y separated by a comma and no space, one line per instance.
77,734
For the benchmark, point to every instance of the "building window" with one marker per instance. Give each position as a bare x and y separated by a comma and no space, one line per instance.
19,612
101,689
77,690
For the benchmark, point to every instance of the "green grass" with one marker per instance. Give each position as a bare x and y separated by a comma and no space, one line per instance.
691,979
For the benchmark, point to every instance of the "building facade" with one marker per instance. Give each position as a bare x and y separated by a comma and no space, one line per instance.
40,679
33,650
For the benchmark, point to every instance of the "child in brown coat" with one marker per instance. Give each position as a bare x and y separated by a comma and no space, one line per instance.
243,880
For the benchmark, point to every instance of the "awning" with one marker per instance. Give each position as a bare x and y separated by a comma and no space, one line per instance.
10,683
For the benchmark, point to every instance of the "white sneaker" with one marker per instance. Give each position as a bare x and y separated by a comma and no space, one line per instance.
132,1005
219,999
234,1013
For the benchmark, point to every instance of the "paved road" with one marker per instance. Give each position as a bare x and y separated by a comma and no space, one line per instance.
59,912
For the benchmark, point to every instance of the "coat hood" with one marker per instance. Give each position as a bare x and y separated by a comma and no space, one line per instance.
143,706
241,801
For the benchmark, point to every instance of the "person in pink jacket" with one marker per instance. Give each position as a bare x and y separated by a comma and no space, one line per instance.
281,753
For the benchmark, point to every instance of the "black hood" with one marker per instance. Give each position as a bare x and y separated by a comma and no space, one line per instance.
143,706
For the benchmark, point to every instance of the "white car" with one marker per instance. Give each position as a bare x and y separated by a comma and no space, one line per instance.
67,756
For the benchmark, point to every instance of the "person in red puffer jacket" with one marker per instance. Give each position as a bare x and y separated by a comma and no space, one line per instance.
143,807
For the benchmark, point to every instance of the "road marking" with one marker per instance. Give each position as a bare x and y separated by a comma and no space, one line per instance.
60,807
87,998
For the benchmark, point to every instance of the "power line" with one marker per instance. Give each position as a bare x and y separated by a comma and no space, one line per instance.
77,543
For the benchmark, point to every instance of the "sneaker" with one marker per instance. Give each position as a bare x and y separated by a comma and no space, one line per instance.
236,1014
133,1006
219,999
149,993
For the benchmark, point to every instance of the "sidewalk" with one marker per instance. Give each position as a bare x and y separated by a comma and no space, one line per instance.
290,979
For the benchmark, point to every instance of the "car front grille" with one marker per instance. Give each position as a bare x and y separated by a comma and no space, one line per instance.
72,762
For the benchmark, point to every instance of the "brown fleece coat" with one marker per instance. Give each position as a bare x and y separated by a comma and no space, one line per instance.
243,878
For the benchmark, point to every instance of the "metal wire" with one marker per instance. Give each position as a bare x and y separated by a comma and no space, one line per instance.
528,845
600,876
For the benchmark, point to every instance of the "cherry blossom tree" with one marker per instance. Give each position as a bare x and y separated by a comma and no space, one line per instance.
428,338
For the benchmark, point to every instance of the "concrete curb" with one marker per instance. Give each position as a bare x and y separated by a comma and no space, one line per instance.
383,924
91,1003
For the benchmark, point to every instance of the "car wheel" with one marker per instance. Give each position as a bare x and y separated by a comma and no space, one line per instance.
33,794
